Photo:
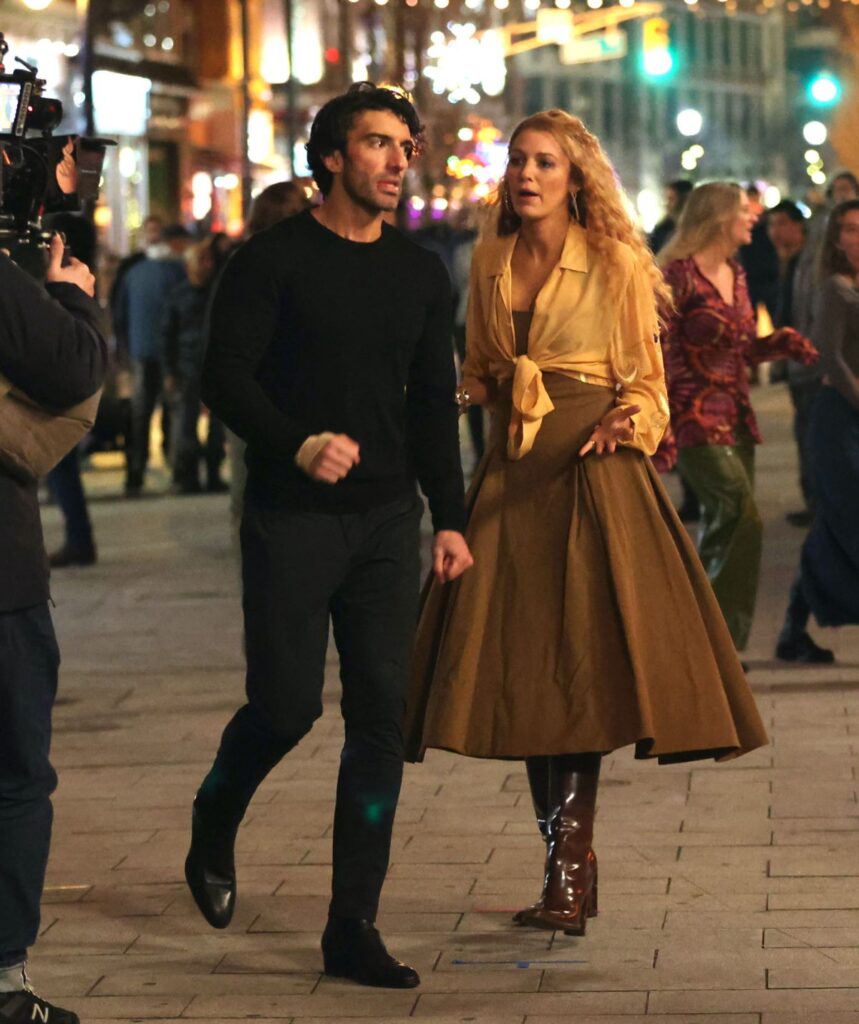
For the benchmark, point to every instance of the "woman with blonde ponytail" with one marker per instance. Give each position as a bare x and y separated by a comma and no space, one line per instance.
710,340
546,651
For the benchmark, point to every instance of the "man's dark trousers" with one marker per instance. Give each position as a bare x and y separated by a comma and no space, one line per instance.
29,663
300,569
148,384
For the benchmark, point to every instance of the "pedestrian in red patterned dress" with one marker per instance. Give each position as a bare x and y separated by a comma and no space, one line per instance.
709,342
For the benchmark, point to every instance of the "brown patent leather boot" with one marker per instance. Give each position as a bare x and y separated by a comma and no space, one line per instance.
569,894
539,774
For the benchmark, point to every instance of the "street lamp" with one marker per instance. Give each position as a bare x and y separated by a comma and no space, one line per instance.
689,122
37,5
814,133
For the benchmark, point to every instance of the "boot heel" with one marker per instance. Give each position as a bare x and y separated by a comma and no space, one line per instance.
593,906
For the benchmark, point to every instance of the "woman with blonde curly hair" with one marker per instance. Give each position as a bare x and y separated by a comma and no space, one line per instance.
710,341
549,649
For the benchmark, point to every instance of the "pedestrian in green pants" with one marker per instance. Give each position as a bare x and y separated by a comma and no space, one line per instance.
709,341
731,532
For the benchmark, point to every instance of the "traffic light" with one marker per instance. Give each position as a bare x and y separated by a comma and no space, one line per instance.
824,89
657,58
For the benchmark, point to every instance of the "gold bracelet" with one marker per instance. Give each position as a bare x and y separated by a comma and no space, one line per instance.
463,399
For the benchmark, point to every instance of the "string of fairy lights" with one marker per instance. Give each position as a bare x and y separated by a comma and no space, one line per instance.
530,7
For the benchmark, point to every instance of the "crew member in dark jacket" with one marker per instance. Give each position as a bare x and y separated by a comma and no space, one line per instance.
330,354
51,349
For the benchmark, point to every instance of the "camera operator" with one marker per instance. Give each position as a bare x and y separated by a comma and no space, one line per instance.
52,350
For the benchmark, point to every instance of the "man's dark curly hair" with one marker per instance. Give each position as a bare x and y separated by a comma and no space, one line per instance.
332,124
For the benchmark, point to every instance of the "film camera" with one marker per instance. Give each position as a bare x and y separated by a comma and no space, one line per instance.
42,173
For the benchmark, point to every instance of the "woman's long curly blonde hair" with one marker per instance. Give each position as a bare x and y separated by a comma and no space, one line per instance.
599,199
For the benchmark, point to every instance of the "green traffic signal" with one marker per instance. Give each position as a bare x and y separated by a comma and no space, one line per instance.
824,89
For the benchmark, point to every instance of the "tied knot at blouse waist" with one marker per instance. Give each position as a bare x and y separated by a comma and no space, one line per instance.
531,402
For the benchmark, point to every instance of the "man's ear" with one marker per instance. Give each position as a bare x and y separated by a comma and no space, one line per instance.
333,161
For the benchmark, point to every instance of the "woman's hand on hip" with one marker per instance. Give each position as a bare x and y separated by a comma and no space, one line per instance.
615,428
450,555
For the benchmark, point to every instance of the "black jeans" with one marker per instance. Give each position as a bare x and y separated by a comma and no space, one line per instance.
301,570
29,662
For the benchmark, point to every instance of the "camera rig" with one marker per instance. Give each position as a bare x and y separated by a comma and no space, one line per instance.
39,173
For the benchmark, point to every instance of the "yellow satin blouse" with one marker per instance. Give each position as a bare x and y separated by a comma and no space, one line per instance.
594,320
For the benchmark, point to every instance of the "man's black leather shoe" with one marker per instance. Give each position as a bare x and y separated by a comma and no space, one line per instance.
353,948
210,870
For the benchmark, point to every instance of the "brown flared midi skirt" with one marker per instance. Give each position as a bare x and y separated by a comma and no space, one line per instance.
587,622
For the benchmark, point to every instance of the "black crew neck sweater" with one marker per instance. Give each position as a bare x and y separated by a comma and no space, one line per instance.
311,332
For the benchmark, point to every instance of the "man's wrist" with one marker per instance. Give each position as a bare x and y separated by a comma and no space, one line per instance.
310,448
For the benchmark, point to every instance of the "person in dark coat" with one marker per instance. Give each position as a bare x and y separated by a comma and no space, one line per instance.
52,350
183,344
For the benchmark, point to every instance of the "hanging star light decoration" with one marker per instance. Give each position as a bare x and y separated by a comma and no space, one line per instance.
464,61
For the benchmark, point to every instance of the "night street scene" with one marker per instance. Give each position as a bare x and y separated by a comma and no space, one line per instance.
429,511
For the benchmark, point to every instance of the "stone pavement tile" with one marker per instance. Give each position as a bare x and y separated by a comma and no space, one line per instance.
798,805
492,1018
427,872
802,831
468,822
681,920
125,1008
843,895
155,983
436,849
426,893
759,834
788,957
810,1017
463,980
724,782
64,893
816,976
62,983
697,902
733,858
816,938
813,860
93,817
88,936
618,978
132,901
349,1000
532,1003
100,964
754,1001
274,961
654,1018
525,948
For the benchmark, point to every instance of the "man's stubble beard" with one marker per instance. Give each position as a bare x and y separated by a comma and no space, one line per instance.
368,200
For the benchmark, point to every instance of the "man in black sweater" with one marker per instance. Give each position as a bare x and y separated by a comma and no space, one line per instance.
51,349
330,354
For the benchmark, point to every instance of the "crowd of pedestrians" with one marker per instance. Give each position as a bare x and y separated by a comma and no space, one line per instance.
322,344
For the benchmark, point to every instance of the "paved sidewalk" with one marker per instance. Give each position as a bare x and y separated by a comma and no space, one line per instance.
730,894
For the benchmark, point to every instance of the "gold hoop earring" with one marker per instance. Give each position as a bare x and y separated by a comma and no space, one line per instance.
574,208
